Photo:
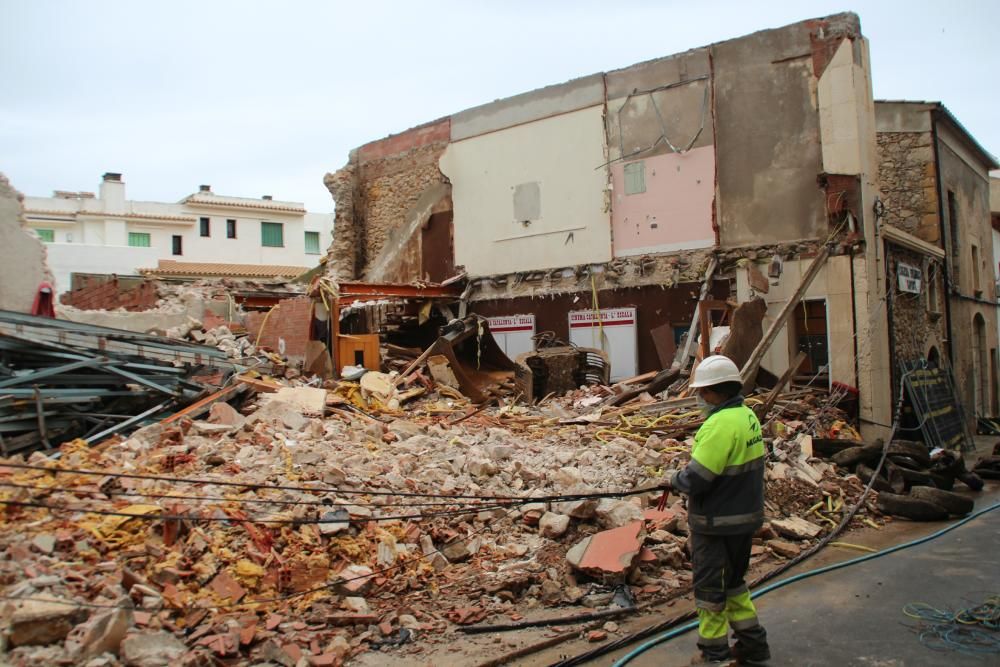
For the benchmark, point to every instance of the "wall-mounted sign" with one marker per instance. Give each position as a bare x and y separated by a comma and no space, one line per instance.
616,335
910,277
513,333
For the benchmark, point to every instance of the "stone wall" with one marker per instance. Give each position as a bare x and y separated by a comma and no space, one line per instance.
343,251
907,183
916,328
24,265
377,188
390,187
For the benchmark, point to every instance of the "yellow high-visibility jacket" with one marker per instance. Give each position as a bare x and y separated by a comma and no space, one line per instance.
725,478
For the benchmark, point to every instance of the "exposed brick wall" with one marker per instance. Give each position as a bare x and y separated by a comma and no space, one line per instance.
109,294
907,182
290,320
376,190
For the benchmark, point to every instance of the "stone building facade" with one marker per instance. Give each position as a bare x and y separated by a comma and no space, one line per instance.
934,184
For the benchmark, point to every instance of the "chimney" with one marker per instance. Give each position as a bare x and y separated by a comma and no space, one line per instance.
112,193
267,197
204,188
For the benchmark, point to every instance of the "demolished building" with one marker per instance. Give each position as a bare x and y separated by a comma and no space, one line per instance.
591,209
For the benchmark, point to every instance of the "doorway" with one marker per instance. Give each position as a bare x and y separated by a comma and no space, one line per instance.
980,370
811,336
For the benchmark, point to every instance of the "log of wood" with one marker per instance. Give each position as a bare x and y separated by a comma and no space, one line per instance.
953,502
915,450
910,508
854,455
866,474
827,447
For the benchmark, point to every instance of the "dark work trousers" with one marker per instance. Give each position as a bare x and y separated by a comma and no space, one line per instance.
723,600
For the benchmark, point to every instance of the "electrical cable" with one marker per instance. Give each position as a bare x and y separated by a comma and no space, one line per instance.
225,499
227,519
944,630
805,575
328,489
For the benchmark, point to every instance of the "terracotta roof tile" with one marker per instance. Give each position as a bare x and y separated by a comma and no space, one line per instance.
169,267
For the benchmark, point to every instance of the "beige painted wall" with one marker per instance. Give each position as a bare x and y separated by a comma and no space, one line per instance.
833,283
562,155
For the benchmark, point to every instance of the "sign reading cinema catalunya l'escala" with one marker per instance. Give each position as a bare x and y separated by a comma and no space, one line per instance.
614,332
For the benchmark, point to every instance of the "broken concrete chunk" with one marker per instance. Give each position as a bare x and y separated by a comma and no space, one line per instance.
355,580
44,542
357,605
568,477
223,413
661,519
44,620
456,552
796,528
783,548
309,399
578,509
608,552
613,513
103,633
553,525
441,371
333,522
377,385
501,452
152,649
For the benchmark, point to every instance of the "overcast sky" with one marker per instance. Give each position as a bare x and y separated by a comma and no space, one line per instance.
262,98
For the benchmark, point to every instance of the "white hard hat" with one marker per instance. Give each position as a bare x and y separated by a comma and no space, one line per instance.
715,370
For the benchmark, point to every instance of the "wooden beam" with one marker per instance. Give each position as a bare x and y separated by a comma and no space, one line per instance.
780,387
693,329
749,371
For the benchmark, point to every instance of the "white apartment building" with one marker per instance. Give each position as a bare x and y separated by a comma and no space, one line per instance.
202,234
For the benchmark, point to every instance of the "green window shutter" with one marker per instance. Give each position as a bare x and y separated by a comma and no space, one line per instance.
272,235
312,243
138,239
46,235
635,178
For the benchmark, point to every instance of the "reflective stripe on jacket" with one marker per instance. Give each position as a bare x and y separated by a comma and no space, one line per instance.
725,478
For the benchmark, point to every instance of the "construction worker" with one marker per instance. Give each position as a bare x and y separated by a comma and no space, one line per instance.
724,483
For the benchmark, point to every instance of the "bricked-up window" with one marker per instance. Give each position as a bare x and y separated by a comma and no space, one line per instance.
953,227
206,226
46,235
312,243
178,247
527,202
230,229
272,235
976,286
635,178
138,239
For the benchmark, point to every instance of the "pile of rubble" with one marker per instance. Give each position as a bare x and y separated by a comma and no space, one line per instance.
236,346
321,523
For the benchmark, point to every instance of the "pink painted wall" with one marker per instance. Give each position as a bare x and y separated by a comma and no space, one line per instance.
674,213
